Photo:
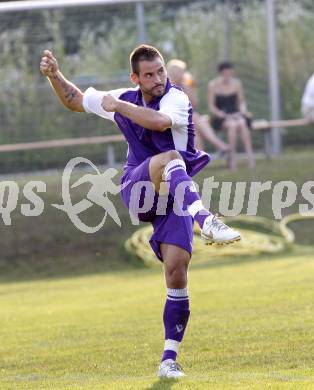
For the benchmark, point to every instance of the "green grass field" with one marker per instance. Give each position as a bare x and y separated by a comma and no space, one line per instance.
251,327
78,313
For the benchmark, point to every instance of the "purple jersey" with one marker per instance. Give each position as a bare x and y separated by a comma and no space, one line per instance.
143,143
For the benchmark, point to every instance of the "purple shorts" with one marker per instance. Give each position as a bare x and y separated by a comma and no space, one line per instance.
169,228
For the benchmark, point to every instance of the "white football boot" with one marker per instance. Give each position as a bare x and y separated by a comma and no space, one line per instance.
170,369
215,231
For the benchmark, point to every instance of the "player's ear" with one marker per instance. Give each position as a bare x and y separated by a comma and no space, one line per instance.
134,78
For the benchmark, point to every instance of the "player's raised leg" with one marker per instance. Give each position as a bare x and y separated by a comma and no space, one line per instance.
176,311
170,166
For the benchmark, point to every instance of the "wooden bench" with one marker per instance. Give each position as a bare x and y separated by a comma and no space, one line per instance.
263,124
65,142
260,125
266,126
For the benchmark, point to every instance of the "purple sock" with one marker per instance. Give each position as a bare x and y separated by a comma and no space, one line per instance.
175,173
176,316
200,217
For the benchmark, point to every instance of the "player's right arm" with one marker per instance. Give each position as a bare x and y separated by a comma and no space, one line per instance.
69,94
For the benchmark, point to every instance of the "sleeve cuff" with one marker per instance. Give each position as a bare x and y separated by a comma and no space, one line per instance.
86,95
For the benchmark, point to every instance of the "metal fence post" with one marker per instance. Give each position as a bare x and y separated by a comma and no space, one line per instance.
111,160
226,31
140,18
274,87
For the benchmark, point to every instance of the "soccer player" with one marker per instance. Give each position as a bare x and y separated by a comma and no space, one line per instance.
156,120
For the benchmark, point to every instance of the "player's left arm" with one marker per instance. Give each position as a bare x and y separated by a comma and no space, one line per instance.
143,116
176,105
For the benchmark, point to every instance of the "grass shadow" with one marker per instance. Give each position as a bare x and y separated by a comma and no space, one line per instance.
163,384
134,265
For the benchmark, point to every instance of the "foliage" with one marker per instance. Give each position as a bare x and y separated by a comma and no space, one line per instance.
93,48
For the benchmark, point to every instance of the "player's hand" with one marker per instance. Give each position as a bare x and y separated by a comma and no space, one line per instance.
48,64
109,103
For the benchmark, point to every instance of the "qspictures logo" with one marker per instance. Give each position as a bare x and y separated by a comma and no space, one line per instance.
102,185
234,198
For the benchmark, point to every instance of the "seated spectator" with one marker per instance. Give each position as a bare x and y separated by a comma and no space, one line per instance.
308,100
227,105
178,75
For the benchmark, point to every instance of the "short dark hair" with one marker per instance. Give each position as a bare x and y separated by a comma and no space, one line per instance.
143,53
224,65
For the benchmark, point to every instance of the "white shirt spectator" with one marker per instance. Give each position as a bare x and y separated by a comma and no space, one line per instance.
308,100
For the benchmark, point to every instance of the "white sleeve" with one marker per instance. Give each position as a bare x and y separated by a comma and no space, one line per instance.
176,105
92,101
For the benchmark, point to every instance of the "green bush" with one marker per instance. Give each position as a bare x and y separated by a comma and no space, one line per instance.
93,50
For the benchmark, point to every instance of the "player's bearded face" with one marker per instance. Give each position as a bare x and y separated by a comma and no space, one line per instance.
152,77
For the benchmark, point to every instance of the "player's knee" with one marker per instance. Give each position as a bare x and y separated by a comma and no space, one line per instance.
171,155
178,277
165,158
177,272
